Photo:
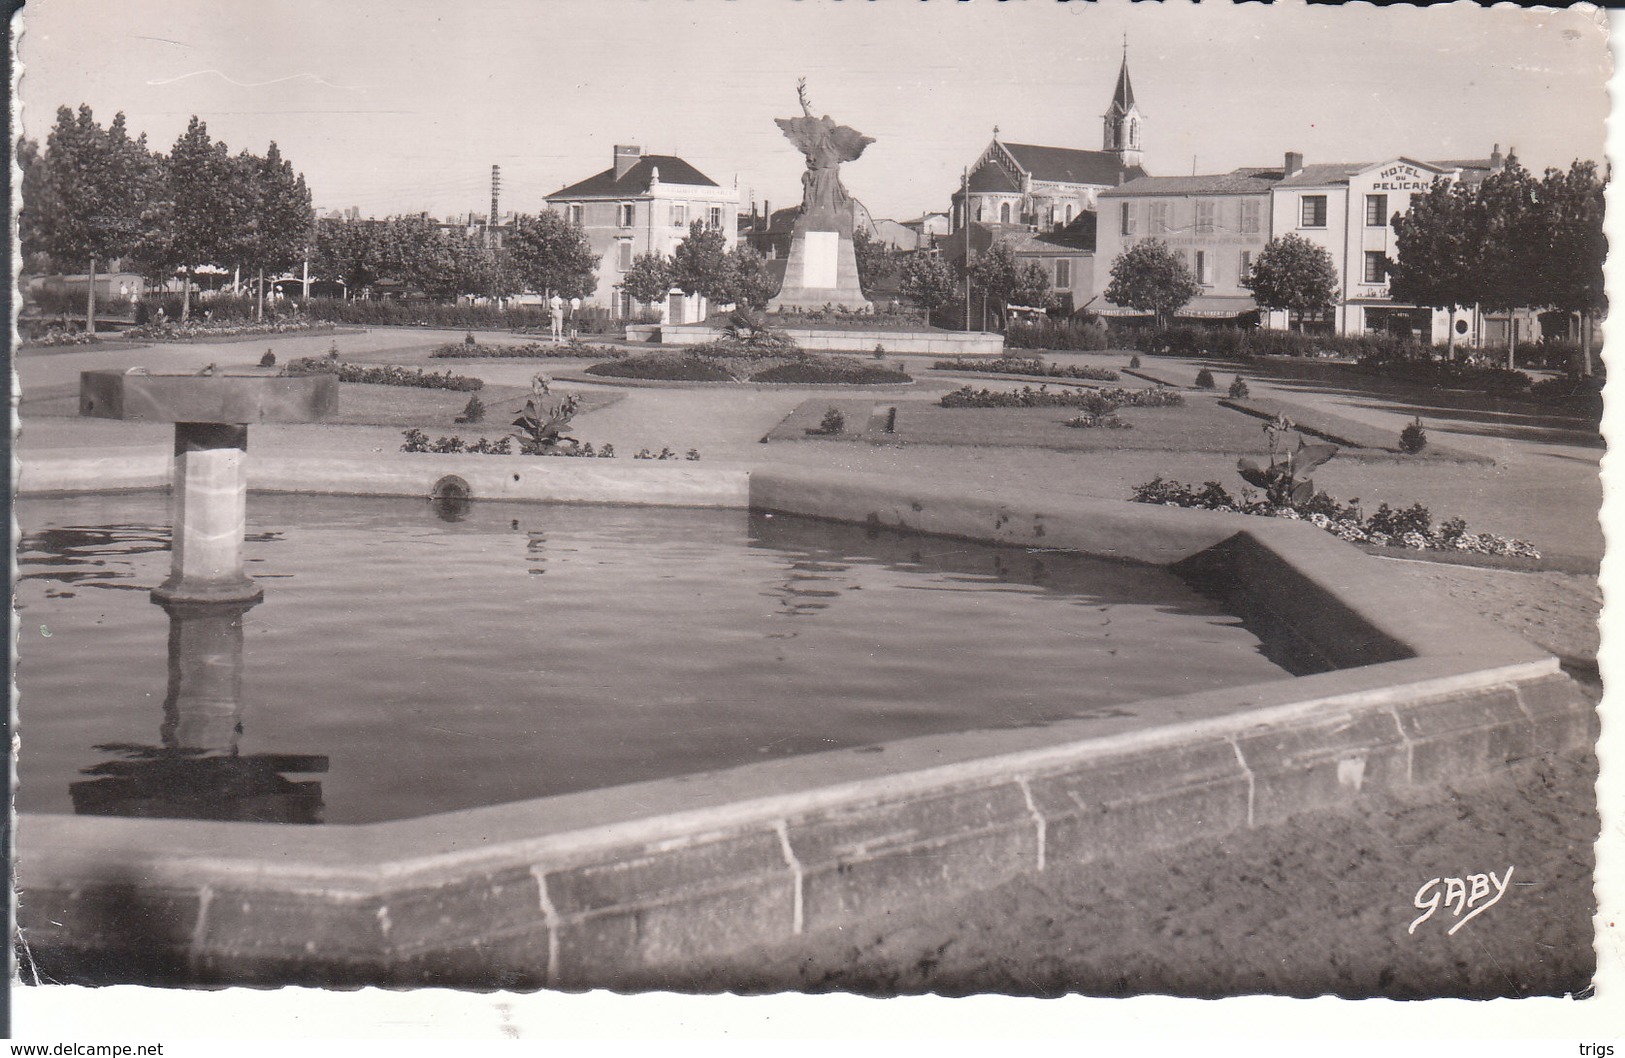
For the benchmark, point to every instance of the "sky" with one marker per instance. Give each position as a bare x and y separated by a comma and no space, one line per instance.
405,105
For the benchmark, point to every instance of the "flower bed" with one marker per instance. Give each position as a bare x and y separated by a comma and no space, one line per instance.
664,367
839,370
529,351
60,337
1012,365
1410,528
383,375
733,361
185,332
1095,401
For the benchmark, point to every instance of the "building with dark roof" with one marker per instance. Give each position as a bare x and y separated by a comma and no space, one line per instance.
644,204
1049,187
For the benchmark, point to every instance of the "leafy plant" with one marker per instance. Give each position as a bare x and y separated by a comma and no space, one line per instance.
543,428
1412,439
1284,480
268,360
1204,380
1238,388
1134,362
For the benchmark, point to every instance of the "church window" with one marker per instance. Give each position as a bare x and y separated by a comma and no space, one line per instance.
1004,213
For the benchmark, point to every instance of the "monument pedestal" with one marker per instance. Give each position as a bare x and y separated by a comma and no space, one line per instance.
822,271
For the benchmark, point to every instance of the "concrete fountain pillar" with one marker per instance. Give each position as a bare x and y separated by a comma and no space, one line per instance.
210,504
211,411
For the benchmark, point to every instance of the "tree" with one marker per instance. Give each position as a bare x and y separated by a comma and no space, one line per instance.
34,188
207,208
929,281
549,255
1006,280
649,279
700,264
96,195
278,233
350,252
876,260
1498,250
1149,277
1438,242
752,283
1567,248
1293,275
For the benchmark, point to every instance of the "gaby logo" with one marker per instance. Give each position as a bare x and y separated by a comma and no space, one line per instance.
1470,895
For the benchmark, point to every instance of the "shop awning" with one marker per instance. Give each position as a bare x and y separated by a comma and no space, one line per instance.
1205,307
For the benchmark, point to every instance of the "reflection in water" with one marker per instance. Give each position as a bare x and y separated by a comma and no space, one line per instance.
451,506
197,772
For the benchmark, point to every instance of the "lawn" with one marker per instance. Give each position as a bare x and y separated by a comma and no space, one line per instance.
1201,424
361,404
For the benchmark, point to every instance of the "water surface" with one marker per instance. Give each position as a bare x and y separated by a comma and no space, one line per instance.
402,663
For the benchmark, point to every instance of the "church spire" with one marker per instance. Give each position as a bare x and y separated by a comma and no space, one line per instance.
1122,118
1123,98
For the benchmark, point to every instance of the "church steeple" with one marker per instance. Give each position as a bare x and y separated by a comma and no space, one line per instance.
1123,119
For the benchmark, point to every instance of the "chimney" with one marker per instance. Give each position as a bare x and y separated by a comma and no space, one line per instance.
1294,164
625,158
1497,163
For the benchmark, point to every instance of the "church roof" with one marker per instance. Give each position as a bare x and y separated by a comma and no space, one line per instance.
1069,166
636,180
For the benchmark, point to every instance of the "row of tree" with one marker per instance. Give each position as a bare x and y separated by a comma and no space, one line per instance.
94,195
544,253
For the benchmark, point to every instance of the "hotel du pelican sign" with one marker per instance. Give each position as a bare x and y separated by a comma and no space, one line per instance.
1402,177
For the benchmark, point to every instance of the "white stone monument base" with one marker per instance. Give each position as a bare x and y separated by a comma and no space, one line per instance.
822,271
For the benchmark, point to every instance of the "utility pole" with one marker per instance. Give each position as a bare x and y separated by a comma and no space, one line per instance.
964,219
496,191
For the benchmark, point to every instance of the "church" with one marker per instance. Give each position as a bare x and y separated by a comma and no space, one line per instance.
1048,188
